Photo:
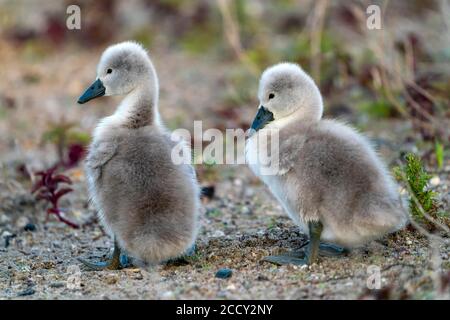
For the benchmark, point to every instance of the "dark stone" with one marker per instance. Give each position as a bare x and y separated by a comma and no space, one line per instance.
262,278
57,285
208,192
224,273
29,227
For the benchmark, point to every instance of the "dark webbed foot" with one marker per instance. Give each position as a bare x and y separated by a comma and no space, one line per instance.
331,250
299,257
314,249
295,258
117,261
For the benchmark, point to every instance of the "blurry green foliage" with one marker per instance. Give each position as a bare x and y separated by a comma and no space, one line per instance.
62,135
175,122
439,152
144,36
213,213
199,40
172,3
3,112
377,109
35,50
64,132
261,57
242,88
297,50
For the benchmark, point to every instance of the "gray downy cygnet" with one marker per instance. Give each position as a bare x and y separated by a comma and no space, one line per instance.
328,178
145,201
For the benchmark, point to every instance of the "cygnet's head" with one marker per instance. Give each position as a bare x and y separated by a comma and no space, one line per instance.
123,67
286,92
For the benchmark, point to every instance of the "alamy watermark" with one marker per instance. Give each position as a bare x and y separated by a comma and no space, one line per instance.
373,21
229,147
73,21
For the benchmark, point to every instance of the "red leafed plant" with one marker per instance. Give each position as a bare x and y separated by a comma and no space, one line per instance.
47,189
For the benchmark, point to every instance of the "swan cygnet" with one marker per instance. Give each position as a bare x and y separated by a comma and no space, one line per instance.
146,202
329,179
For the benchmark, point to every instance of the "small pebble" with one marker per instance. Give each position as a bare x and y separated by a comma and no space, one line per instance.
29,227
112,279
224,273
262,278
4,219
218,234
208,192
435,181
168,295
138,276
231,287
57,284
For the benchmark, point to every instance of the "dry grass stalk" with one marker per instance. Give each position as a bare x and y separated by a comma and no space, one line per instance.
316,30
231,31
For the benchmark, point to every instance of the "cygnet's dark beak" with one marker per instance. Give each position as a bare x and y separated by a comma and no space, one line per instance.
95,90
263,117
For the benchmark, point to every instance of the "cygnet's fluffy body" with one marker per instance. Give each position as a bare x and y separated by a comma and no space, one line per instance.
328,172
148,203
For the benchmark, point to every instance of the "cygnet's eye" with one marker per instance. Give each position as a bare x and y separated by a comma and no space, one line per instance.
109,71
271,96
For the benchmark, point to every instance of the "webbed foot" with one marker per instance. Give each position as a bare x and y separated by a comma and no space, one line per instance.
117,261
302,258
298,258
331,250
295,258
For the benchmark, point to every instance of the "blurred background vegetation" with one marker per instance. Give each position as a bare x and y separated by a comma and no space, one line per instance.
392,83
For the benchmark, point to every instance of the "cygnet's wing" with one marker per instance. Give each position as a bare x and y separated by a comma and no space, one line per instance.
289,152
100,153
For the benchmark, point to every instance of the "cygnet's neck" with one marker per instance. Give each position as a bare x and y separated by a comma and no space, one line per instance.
302,115
139,108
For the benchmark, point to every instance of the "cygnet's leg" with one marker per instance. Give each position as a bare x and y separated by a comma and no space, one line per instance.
315,231
312,252
113,263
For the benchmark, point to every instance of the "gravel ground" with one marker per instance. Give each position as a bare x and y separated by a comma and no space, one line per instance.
240,226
